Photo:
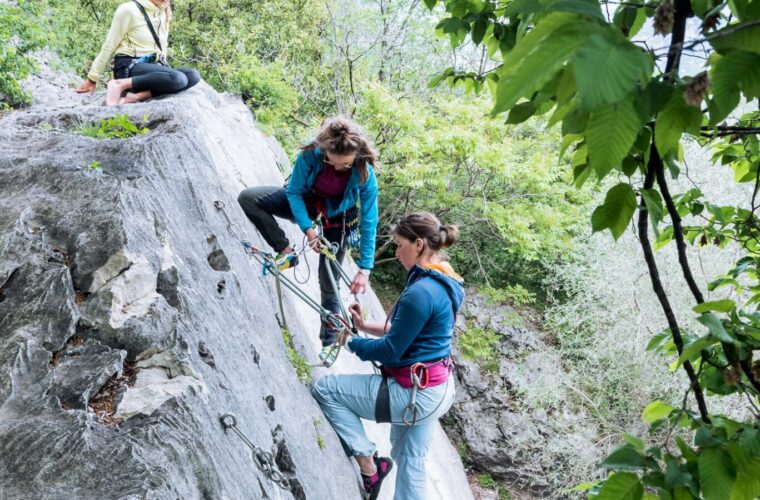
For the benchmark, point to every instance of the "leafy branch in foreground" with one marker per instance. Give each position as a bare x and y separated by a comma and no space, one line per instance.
623,118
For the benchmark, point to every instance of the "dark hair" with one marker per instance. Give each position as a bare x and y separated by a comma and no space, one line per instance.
341,136
428,228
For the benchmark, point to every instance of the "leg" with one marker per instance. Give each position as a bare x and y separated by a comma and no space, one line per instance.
345,399
410,444
260,205
133,97
158,79
329,297
192,75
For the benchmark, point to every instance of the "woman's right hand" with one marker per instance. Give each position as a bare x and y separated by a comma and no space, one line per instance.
87,87
313,238
356,315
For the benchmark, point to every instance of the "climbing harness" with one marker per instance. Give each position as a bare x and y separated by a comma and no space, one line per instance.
263,459
419,374
342,322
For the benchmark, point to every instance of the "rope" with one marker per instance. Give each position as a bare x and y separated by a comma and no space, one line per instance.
343,322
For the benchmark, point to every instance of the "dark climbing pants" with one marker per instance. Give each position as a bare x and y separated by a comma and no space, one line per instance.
157,78
261,205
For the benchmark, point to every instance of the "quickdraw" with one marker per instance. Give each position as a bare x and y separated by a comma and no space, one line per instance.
420,379
341,322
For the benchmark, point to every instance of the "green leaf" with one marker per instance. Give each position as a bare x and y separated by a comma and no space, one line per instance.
704,438
747,484
658,341
656,410
725,305
630,19
676,118
692,349
521,112
750,442
617,210
621,486
583,487
653,202
714,324
537,57
731,73
634,441
734,37
430,3
625,65
610,133
589,8
624,458
479,28
716,473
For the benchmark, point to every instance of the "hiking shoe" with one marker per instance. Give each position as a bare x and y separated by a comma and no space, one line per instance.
286,261
372,483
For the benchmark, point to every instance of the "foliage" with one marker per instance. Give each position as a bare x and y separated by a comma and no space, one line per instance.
486,481
20,35
513,204
118,127
301,366
481,346
625,121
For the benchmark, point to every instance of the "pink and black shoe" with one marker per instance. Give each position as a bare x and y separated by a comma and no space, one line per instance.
372,483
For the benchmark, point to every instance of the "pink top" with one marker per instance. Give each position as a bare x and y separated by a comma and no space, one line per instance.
330,183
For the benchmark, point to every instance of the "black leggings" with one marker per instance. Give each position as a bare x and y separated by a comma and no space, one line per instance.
157,78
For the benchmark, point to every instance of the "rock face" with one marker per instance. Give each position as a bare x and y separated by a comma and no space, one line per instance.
131,319
514,422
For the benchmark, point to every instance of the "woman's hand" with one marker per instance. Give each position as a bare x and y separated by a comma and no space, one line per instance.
359,284
87,87
356,315
313,238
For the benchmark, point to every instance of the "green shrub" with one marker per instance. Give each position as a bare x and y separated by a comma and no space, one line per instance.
21,33
299,362
118,127
481,346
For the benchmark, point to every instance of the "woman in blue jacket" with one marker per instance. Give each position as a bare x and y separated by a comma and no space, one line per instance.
414,341
333,177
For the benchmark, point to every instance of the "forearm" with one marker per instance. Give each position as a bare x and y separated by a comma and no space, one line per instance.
375,329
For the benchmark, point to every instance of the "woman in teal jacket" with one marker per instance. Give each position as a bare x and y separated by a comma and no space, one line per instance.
334,178
414,341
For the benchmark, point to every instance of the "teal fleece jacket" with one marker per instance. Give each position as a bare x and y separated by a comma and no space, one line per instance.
307,166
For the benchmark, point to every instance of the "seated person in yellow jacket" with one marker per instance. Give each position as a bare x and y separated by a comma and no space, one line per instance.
138,39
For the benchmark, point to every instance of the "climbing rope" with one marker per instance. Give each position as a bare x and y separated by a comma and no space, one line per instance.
341,322
263,459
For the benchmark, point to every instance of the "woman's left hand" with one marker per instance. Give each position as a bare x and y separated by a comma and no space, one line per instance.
359,285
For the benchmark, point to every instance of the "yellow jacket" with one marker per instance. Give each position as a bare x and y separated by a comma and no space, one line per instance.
130,36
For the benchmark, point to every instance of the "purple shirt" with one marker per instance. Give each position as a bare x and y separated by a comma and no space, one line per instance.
331,183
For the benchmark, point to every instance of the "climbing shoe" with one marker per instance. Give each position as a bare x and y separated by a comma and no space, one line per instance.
286,261
372,483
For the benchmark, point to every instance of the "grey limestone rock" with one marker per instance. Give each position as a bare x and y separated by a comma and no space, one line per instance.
515,423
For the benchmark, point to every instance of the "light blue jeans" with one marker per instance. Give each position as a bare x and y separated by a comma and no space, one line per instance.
347,398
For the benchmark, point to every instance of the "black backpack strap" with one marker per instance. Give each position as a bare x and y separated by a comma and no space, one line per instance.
150,25
383,401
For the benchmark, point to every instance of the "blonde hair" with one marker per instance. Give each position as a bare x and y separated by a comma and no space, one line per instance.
340,135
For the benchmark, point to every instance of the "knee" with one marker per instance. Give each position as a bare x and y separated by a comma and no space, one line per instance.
322,389
193,77
178,81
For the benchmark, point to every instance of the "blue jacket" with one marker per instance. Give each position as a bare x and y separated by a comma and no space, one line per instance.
422,323
308,164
